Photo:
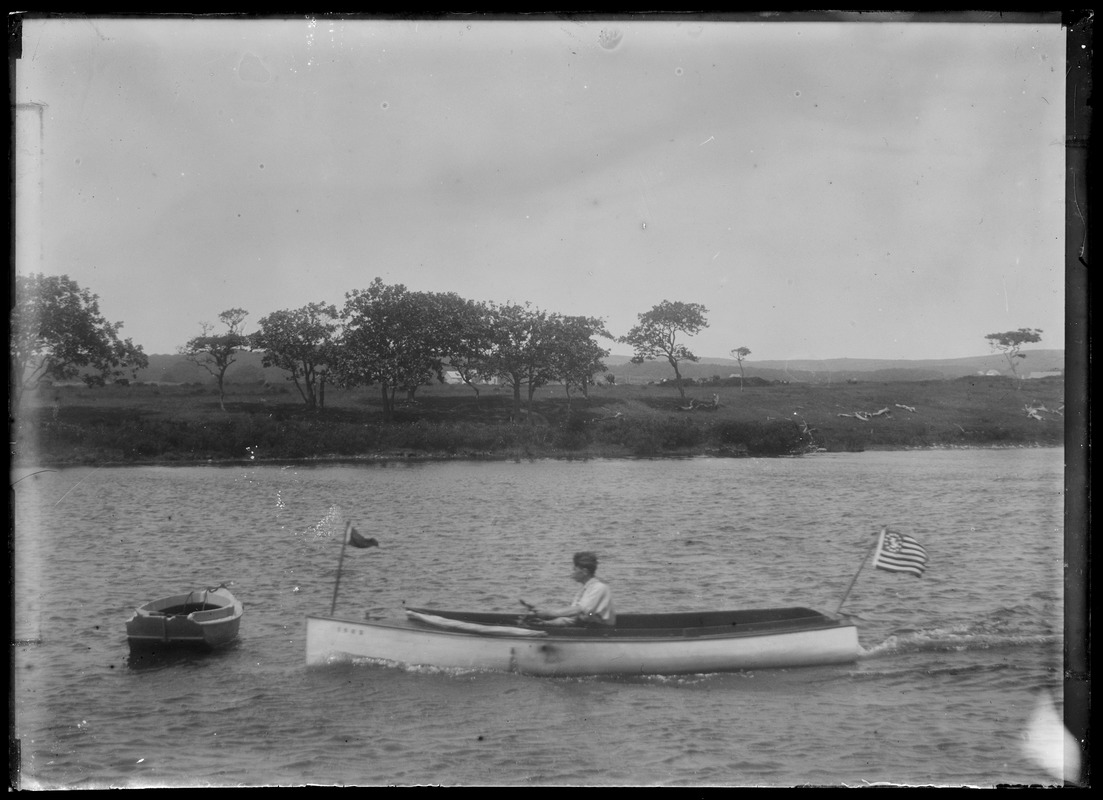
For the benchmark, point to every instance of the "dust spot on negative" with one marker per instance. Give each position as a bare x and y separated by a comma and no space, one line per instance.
252,69
609,38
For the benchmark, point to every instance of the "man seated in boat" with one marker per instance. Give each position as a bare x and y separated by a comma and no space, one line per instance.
592,605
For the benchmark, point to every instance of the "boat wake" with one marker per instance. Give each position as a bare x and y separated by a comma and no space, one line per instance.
953,639
413,669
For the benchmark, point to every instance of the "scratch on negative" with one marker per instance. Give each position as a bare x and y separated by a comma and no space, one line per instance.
707,140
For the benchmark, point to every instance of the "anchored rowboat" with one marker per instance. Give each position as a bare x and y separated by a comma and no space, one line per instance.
202,618
639,644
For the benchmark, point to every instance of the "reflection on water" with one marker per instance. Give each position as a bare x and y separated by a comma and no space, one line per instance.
161,657
947,683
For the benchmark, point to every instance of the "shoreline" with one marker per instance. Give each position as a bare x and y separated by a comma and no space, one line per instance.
412,458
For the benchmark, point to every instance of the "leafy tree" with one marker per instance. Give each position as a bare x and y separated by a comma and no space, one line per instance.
657,332
393,338
58,333
215,352
1010,343
301,342
530,348
739,354
467,340
453,331
576,356
520,352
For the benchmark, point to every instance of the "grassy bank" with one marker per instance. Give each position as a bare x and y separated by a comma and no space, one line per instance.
179,424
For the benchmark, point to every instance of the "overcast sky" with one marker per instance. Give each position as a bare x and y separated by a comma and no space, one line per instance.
826,190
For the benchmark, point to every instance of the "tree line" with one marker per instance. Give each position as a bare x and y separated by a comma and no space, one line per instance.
385,336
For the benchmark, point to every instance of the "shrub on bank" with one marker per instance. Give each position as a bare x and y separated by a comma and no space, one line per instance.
777,437
249,436
771,438
113,424
656,436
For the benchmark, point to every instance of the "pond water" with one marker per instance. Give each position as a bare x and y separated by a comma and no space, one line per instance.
953,664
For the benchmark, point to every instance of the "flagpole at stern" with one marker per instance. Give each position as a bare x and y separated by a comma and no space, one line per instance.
340,561
854,580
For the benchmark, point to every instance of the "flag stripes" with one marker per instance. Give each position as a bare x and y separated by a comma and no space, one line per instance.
898,552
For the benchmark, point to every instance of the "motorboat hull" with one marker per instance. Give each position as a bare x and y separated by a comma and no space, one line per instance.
658,644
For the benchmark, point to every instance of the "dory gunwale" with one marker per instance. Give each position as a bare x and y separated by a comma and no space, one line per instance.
208,617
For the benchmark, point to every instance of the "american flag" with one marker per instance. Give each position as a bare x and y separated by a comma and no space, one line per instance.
898,552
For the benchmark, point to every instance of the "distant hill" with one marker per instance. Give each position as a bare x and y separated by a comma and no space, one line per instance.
837,369
248,369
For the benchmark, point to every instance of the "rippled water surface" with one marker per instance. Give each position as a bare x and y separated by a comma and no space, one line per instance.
952,663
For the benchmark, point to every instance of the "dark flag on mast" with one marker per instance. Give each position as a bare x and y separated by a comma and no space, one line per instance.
353,537
356,540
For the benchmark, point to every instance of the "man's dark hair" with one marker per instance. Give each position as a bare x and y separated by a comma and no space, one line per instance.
586,560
